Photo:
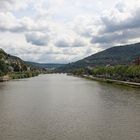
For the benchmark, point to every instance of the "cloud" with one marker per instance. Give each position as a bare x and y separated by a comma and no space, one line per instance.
85,26
120,6
70,42
118,27
121,37
79,43
10,5
37,38
113,24
8,22
62,43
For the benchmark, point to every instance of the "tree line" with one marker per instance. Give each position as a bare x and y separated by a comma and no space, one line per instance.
119,72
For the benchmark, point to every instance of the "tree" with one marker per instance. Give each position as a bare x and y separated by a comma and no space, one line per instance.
3,67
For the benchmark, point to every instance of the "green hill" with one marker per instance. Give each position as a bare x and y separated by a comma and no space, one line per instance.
9,63
118,55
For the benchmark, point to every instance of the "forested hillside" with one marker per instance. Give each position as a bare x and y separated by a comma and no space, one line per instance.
119,55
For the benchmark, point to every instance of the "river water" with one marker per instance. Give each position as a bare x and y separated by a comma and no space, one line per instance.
61,107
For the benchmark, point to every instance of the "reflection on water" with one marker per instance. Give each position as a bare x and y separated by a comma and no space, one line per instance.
60,107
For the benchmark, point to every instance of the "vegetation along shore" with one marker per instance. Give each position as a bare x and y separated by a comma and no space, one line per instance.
12,67
120,74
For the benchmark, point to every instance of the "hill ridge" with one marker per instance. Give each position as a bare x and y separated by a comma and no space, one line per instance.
117,55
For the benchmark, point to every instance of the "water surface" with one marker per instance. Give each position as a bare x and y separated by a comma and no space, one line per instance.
61,107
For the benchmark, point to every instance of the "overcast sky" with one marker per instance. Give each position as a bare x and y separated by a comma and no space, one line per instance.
62,31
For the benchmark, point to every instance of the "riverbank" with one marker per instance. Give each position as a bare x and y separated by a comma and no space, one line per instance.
117,82
21,75
4,78
18,75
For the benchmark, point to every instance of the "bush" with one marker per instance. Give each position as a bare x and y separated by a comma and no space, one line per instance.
3,67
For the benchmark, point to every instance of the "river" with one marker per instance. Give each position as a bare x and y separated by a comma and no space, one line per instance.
61,107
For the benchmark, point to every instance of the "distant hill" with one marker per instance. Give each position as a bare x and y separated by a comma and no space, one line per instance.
118,55
45,65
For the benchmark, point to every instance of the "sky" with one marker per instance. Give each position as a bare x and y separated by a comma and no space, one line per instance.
64,31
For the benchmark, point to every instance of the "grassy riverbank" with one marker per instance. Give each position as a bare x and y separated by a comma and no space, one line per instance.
110,81
19,75
118,82
120,74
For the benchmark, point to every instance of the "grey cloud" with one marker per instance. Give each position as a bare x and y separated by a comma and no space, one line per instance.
117,37
111,25
118,32
65,43
69,52
87,33
38,39
120,6
62,43
16,29
21,28
78,43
